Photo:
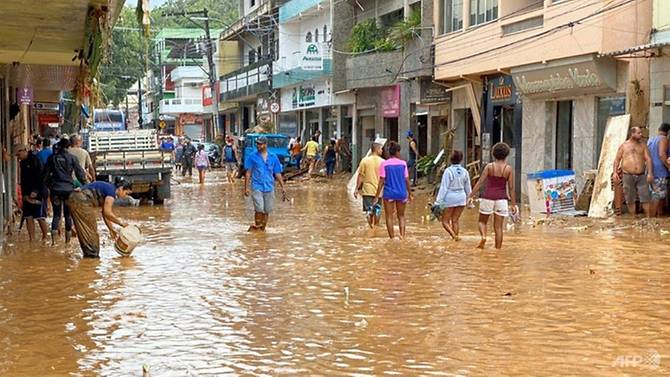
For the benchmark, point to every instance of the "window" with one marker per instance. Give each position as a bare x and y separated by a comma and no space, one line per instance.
308,37
482,11
316,35
564,135
252,56
325,33
252,3
453,15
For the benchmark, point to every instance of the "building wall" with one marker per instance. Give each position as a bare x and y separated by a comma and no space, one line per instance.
659,112
457,54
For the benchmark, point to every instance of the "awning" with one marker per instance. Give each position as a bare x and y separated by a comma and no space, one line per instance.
633,50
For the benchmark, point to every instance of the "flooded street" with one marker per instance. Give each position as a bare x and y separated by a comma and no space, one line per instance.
320,294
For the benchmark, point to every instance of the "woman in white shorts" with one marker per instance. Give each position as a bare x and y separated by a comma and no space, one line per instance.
499,180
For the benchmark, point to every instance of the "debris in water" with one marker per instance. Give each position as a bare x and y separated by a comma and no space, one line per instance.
508,294
346,296
145,370
214,247
361,323
591,272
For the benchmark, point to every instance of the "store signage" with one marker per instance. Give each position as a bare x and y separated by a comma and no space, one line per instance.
312,59
303,96
46,106
390,101
587,75
24,96
207,99
501,89
434,93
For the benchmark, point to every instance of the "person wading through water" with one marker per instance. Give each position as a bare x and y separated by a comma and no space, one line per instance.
59,172
262,169
83,204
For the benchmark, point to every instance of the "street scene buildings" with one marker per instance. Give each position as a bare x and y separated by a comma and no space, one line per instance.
334,187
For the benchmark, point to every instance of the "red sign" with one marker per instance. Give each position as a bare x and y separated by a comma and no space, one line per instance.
390,101
207,98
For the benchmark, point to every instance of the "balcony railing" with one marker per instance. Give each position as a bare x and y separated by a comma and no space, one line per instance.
181,105
247,81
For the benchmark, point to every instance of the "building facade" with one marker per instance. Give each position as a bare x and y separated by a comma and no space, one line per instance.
248,50
540,76
303,71
391,82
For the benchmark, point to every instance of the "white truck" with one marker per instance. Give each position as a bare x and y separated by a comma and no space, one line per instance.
134,155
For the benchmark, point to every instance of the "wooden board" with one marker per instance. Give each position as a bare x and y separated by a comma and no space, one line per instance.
603,195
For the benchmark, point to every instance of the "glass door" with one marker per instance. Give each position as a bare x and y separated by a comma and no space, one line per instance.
564,135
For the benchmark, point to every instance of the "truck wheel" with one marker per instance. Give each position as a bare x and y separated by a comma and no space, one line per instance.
162,191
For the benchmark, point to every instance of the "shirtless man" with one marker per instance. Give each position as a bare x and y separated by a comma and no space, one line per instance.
630,162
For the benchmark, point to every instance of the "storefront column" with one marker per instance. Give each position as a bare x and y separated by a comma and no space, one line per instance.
355,154
405,118
338,121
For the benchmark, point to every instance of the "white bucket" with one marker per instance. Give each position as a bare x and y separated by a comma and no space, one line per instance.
129,237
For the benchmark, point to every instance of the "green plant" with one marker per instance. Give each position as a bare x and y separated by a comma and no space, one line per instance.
425,164
406,30
385,44
364,35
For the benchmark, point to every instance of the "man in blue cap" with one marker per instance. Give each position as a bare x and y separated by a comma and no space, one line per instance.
413,156
262,169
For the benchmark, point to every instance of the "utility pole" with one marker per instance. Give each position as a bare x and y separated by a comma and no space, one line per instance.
140,121
204,13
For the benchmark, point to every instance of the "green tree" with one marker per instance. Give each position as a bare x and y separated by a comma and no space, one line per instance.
125,60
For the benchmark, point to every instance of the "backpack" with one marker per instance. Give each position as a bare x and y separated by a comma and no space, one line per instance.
229,153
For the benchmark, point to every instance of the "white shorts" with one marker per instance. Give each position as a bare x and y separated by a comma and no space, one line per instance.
489,207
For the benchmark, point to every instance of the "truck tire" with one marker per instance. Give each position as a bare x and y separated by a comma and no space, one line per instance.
162,191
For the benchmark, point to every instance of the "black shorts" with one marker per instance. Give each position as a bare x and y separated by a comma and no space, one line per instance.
33,210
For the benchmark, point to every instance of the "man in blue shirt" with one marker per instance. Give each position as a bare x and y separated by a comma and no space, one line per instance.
45,152
262,168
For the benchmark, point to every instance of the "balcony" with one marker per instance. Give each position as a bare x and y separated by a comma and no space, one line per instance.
373,69
182,106
539,35
250,15
294,69
246,82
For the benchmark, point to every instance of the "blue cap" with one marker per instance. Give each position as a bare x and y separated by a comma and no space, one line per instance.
262,140
409,133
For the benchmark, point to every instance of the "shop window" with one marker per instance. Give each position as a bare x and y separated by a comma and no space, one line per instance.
607,107
453,15
482,11
564,135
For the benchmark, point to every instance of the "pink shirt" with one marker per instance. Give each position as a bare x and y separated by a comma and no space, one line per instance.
395,172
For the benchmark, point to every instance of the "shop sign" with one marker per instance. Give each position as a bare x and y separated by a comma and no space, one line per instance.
390,98
434,93
207,99
25,96
262,105
312,59
314,94
303,96
46,106
585,75
501,89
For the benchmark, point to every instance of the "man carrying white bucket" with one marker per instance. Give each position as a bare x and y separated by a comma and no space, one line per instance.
82,206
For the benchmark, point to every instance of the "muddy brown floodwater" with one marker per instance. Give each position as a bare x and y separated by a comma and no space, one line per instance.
320,295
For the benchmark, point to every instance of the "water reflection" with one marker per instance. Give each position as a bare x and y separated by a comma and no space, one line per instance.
320,294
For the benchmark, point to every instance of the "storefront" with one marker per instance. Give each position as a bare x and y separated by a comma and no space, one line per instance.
432,116
566,104
306,108
502,121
